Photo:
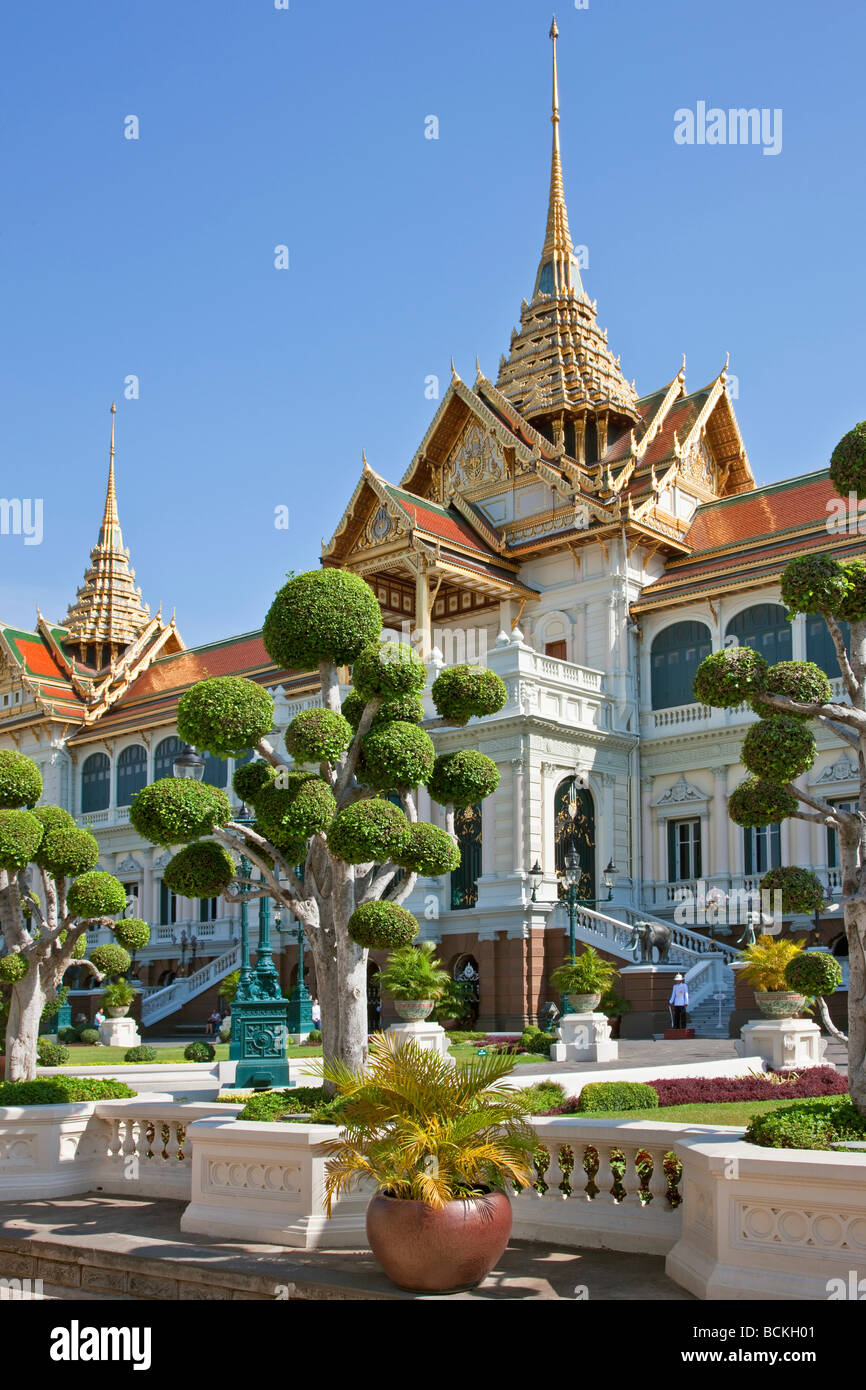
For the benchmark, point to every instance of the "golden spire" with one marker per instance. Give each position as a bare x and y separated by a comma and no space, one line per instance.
557,273
108,613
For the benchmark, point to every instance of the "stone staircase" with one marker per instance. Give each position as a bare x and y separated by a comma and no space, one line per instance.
704,1017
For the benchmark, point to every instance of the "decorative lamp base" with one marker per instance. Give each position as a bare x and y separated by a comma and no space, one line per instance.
259,1035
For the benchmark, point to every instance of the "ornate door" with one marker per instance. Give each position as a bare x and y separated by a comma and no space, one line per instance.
574,828
464,879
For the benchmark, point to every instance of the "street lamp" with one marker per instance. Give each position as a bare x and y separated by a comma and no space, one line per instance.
188,763
572,874
535,875
609,878
300,1016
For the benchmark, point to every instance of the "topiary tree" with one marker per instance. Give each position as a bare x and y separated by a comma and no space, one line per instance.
332,845
49,894
781,747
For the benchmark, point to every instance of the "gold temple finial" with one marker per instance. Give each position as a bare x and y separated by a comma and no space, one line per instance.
557,272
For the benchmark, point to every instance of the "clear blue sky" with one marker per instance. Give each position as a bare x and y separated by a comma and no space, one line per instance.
305,127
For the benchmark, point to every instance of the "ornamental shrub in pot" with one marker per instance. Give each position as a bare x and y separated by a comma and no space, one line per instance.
441,1144
117,998
766,963
414,979
583,979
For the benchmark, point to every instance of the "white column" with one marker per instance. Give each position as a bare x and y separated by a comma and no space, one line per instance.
720,821
518,766
646,830
580,635
801,834
663,849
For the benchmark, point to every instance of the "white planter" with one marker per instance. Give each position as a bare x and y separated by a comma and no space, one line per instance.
119,1032
584,1038
785,1044
427,1035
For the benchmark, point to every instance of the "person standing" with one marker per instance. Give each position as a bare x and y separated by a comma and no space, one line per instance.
679,1001
317,1014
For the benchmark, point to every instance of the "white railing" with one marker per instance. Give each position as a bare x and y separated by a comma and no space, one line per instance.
691,943
708,978
224,927
115,815
170,998
142,1146
617,936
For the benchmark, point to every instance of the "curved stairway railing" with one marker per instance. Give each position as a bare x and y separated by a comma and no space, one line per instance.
158,1003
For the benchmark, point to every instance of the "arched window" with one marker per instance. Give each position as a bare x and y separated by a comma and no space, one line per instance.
464,879
677,652
131,773
163,758
96,782
819,644
765,628
216,771
574,828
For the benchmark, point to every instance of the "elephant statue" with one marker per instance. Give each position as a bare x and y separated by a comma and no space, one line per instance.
649,934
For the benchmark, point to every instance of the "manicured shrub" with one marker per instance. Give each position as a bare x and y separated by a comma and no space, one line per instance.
96,894
813,973
759,802
176,810
798,680
69,1035
802,891
110,959
714,1090
251,778
813,584
429,851
293,848
728,677
140,1054
20,780
848,462
463,778
272,1105
408,708
396,756
13,968
49,1054
534,1039
544,1097
389,669
808,1126
61,1090
20,837
54,818
318,735
303,807
464,692
203,869
89,1037
778,748
852,609
67,852
225,715
199,1052
322,615
313,1038
368,832
382,926
617,1095
131,933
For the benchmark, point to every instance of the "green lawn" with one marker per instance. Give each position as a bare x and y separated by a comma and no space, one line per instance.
734,1112
466,1052
83,1056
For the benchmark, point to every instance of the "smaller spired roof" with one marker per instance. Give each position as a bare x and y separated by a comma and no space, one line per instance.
41,661
108,608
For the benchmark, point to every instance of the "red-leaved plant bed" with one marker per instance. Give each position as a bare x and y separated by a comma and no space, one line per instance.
703,1090
501,1042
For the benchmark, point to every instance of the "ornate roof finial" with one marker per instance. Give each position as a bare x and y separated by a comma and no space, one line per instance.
556,273
110,534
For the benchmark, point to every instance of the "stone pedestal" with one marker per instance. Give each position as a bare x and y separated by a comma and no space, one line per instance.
584,1038
785,1044
119,1032
430,1036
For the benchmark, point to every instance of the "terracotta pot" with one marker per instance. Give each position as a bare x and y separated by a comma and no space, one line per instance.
431,1251
779,1003
414,1010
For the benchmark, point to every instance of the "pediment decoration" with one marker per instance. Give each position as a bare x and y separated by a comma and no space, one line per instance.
477,459
682,793
699,466
843,770
128,866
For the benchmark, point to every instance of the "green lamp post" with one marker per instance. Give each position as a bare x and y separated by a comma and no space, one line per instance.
300,999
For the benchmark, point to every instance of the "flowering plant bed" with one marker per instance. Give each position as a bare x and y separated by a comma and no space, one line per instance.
719,1090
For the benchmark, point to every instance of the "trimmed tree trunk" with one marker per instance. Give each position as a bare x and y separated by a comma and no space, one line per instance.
22,1031
855,926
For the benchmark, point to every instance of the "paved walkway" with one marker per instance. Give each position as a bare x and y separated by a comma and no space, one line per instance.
74,1244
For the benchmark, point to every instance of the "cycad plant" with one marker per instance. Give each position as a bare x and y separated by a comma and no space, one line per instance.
413,972
766,962
588,973
424,1130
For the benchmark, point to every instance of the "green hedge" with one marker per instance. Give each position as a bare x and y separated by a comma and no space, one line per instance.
809,1124
62,1090
617,1095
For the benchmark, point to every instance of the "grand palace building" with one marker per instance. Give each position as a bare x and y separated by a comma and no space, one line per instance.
588,542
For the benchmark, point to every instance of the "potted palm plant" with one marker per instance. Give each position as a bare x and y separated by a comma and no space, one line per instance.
583,979
766,963
441,1144
414,979
117,997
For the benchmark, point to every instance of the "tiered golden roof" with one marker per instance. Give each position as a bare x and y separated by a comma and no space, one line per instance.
108,613
559,359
